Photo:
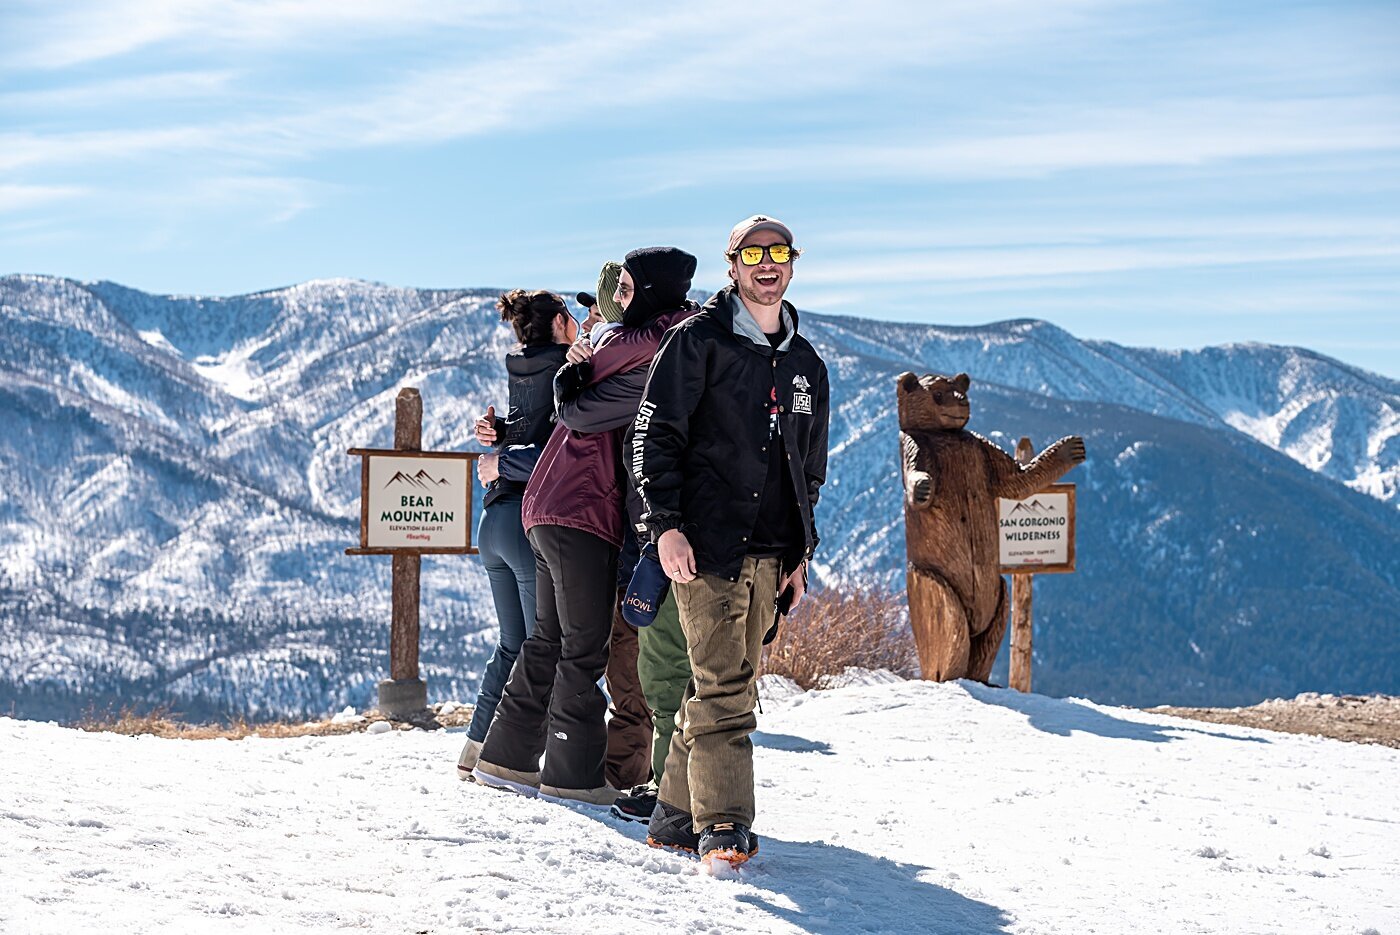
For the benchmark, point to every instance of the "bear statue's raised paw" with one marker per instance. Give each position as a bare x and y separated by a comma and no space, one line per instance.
1071,450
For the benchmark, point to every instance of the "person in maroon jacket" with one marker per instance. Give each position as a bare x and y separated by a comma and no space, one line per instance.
575,514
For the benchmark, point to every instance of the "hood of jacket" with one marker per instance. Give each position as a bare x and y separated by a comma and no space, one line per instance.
531,360
727,308
660,280
625,348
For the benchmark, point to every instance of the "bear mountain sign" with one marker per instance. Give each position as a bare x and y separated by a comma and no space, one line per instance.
415,501
412,503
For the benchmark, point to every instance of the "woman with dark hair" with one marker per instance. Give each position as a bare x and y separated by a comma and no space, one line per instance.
545,329
575,514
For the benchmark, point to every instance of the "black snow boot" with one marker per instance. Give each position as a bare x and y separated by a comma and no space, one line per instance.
636,805
728,841
673,828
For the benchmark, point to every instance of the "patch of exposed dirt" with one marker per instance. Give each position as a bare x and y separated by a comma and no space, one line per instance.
1356,718
162,724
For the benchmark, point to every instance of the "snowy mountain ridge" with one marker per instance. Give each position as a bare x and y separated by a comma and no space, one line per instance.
1333,418
1328,416
177,496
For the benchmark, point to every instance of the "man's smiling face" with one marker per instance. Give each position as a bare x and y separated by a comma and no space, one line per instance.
765,283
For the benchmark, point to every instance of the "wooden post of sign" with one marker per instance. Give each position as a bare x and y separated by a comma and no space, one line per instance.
1020,674
404,692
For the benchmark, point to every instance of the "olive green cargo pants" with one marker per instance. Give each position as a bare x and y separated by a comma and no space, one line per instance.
664,669
709,769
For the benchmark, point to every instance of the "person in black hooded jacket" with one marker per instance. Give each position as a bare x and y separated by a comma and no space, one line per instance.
545,329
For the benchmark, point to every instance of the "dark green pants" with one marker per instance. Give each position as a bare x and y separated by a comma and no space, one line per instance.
664,670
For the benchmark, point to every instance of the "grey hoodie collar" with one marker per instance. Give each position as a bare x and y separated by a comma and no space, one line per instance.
745,326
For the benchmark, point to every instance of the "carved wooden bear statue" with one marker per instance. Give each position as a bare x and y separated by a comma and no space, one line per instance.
952,479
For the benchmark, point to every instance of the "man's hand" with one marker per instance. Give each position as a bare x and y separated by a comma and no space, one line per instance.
677,557
579,351
798,580
488,468
486,427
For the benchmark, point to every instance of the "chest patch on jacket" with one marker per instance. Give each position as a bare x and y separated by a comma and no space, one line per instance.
801,399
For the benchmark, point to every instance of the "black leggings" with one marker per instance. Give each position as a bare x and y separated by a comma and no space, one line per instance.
552,704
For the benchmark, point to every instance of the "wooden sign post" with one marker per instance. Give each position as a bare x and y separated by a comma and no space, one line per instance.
1020,669
412,503
1036,533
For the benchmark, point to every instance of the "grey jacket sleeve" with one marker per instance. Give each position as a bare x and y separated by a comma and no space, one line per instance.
604,406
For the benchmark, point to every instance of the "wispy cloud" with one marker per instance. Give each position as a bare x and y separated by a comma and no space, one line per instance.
90,96
573,71
1172,133
1016,262
261,198
46,35
1158,227
28,149
23,197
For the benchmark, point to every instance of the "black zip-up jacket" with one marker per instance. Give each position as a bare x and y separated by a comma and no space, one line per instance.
530,418
699,452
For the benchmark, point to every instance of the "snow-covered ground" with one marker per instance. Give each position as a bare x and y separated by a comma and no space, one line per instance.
894,807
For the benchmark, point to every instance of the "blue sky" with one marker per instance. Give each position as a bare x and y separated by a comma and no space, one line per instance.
1159,173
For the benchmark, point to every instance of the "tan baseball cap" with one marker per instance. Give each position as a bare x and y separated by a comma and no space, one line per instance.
759,222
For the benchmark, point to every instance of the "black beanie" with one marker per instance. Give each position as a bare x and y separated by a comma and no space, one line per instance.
660,279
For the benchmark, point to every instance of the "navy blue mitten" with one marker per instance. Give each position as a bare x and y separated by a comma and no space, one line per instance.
647,590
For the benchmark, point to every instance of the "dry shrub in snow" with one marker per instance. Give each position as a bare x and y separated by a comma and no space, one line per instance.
833,629
162,722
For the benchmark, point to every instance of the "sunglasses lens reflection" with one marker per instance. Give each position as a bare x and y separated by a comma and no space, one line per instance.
778,253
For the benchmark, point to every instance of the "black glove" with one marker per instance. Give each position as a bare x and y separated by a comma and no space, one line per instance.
571,380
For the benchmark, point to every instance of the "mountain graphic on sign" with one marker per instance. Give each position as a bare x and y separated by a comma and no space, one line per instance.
422,479
1034,508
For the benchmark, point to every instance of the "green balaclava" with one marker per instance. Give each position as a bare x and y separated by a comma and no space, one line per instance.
607,286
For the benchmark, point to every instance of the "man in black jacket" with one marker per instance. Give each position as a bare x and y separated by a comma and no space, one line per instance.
728,454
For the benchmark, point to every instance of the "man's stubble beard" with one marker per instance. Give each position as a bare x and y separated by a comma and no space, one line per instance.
750,292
